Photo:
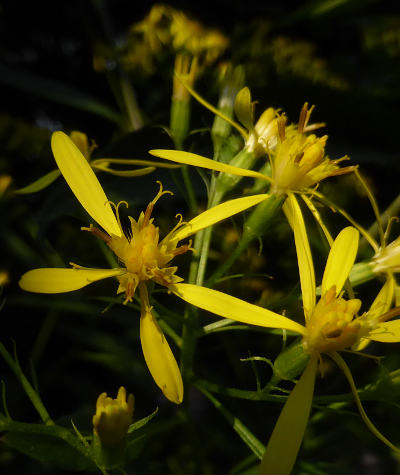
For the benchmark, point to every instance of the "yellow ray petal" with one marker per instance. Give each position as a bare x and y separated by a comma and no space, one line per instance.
188,158
340,260
383,300
54,281
83,182
159,357
304,258
284,443
218,213
227,306
386,332
380,305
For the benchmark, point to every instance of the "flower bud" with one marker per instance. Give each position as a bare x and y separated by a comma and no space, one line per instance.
113,417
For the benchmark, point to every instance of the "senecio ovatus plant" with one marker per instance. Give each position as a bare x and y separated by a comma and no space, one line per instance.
287,163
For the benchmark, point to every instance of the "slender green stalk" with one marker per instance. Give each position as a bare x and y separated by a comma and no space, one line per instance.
130,102
244,433
196,276
179,121
392,210
255,226
32,394
192,202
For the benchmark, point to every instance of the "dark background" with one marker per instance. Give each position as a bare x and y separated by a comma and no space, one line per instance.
86,352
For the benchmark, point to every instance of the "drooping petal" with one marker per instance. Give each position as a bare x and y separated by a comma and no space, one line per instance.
54,281
83,182
227,306
284,443
159,357
188,158
386,332
340,260
304,258
218,213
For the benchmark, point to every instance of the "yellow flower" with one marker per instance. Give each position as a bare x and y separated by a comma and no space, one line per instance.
143,255
297,162
190,35
5,182
154,28
4,277
331,325
113,417
165,26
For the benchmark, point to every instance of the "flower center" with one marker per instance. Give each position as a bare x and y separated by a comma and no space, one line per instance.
141,252
332,326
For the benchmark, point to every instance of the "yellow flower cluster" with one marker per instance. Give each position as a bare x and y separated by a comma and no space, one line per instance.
288,161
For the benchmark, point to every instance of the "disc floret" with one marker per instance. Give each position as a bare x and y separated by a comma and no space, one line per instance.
142,253
333,325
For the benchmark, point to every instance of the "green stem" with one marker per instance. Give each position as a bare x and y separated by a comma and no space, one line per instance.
392,210
197,271
254,227
179,121
131,106
32,394
192,202
244,433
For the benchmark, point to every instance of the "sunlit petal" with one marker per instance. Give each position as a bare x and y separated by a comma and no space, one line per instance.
83,182
304,257
284,443
188,158
341,259
227,306
159,358
218,213
54,281
386,332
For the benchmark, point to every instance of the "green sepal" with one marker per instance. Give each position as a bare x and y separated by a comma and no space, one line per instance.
361,272
291,362
225,181
259,221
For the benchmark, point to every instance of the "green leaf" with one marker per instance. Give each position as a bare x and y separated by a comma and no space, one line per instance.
237,425
55,91
48,449
40,183
142,422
